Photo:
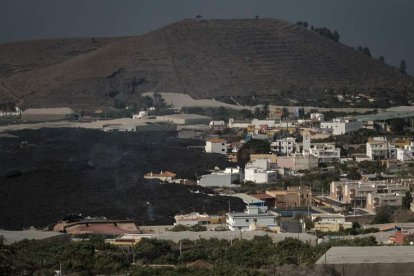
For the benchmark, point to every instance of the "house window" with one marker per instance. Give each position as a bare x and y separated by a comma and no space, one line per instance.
247,220
255,220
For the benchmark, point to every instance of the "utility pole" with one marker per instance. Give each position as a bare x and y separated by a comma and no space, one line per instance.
229,206
354,206
180,248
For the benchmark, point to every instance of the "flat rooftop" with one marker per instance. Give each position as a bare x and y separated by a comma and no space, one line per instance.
368,254
248,199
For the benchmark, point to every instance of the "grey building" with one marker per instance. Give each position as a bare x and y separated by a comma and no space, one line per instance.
369,260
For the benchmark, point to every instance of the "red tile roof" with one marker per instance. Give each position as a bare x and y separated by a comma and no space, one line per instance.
398,238
262,196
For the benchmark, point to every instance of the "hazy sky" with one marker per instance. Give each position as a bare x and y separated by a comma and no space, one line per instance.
385,26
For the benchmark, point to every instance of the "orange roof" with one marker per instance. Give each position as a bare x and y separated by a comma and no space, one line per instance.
162,174
262,196
168,174
277,192
398,238
215,140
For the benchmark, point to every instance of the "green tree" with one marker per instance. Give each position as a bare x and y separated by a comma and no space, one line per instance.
252,147
403,67
119,104
336,36
397,125
151,249
364,50
407,199
5,259
294,251
78,257
354,174
257,112
285,112
383,215
265,110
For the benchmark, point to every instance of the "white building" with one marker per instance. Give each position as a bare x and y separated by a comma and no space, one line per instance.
253,217
216,146
342,125
193,218
270,123
238,123
140,115
326,152
330,222
407,153
226,178
15,113
259,176
317,117
285,145
259,171
217,125
378,148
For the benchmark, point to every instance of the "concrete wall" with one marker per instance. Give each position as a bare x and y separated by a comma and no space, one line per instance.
368,269
298,162
219,180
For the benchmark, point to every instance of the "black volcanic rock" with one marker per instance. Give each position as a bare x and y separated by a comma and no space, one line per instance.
72,171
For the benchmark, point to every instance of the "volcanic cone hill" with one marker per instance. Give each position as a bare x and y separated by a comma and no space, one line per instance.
202,58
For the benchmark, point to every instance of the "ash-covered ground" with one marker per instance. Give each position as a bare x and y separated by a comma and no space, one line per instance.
46,174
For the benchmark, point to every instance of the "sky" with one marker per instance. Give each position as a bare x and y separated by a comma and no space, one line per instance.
384,26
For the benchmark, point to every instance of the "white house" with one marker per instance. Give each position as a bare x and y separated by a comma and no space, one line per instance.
15,113
378,148
407,153
216,146
253,217
259,176
217,125
238,123
285,145
317,117
342,125
326,152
